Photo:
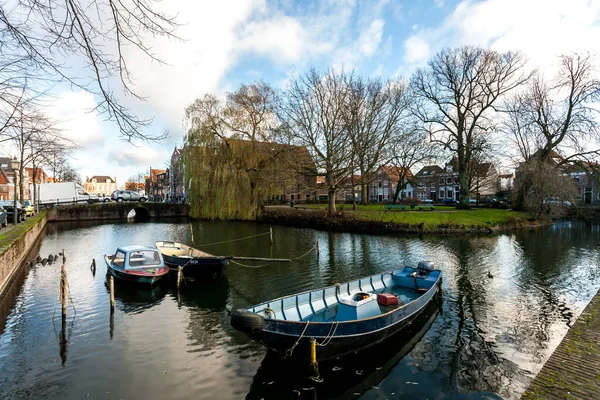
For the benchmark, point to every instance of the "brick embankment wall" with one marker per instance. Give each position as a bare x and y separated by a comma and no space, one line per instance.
16,244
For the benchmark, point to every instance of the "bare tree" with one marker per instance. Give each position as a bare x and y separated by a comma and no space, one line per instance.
409,146
134,181
455,97
38,38
547,188
558,117
32,133
374,112
313,111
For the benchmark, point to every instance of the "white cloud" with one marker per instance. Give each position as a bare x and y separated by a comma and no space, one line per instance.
369,39
416,50
76,120
542,29
195,65
130,156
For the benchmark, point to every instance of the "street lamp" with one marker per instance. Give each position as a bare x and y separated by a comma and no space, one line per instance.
14,164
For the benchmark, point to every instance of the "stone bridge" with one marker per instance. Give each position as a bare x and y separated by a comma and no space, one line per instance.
107,211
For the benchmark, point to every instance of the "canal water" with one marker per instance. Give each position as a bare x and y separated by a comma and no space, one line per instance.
508,301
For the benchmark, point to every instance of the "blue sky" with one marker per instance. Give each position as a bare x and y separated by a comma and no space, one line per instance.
229,42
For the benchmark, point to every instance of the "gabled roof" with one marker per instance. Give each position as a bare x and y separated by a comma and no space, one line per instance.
394,172
3,179
102,178
429,170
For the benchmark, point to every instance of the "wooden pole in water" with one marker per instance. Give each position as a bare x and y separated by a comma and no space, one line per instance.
318,252
314,366
63,290
112,293
179,276
64,256
271,232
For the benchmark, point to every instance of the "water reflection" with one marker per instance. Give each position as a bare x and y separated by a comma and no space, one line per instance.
345,378
131,298
509,299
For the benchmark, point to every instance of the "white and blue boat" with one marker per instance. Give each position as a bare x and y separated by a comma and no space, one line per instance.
343,318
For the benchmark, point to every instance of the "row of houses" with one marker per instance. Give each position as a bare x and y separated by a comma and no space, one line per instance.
430,182
9,178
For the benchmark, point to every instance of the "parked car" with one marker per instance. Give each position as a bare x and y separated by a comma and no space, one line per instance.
127,195
555,201
427,201
448,202
29,208
9,207
472,201
3,217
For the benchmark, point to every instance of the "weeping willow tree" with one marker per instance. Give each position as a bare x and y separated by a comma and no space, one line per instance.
231,165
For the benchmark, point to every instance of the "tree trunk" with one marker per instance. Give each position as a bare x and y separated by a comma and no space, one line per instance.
463,180
364,195
331,201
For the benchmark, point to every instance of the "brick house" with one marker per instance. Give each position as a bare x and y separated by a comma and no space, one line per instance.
383,186
37,175
101,185
435,183
585,176
155,184
7,180
177,176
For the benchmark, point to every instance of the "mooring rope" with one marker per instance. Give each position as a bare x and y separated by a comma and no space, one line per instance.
330,335
249,266
233,240
265,265
289,351
307,253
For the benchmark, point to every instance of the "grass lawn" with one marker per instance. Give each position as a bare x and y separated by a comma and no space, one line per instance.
442,216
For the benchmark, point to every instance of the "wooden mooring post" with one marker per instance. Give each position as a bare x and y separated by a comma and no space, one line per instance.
111,285
314,366
63,290
271,233
179,276
318,252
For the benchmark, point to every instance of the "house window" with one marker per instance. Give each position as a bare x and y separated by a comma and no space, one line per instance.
449,193
441,180
448,180
441,193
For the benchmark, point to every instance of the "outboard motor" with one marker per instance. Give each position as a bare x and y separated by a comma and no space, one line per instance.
425,267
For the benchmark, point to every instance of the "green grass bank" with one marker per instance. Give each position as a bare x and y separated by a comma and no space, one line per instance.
374,218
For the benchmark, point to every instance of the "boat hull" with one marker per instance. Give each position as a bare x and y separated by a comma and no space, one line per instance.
334,339
140,279
198,268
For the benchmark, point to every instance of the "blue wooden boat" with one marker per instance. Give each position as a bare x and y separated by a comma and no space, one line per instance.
137,264
344,318
196,263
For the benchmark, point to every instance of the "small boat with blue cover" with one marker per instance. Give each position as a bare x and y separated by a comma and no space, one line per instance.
137,264
344,318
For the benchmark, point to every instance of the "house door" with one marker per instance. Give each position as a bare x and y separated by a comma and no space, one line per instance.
380,198
432,196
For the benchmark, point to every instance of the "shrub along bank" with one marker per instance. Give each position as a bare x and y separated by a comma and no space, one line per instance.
441,220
